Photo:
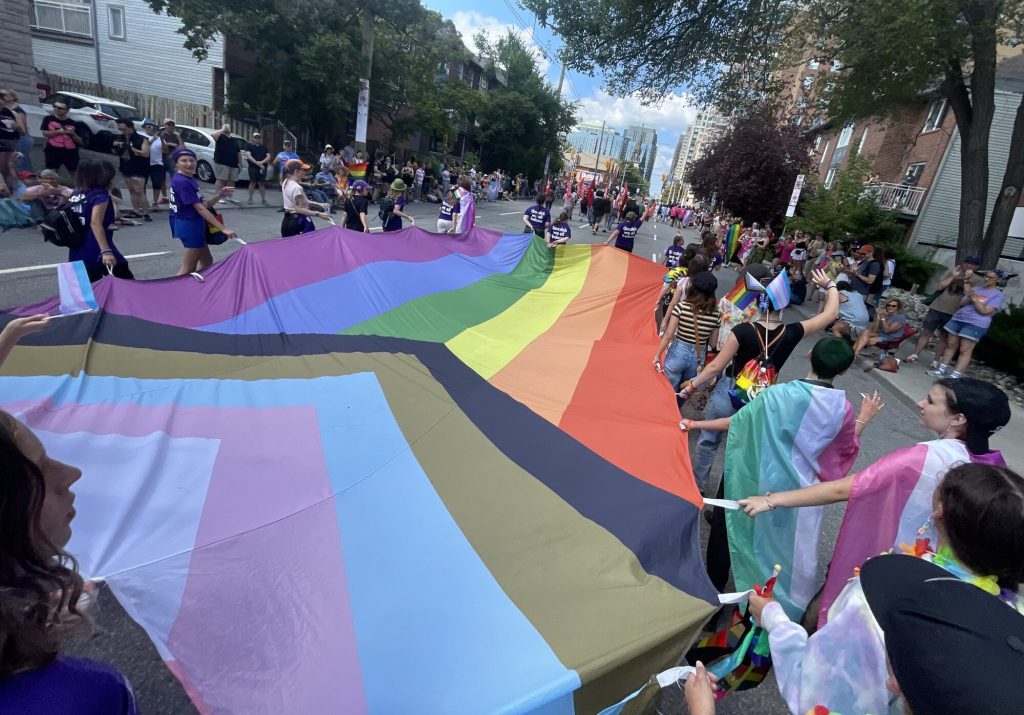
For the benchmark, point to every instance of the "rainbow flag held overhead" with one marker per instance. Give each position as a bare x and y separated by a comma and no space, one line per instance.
741,294
357,170
732,241
764,453
354,454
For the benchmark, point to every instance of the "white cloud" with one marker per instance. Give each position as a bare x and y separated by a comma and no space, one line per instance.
671,116
469,23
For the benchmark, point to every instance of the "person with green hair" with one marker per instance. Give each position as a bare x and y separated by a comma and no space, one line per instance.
791,435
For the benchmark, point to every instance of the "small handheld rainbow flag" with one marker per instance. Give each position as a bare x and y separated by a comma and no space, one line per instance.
732,241
75,290
741,295
357,170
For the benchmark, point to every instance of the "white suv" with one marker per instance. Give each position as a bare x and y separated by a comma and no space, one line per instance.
200,140
96,117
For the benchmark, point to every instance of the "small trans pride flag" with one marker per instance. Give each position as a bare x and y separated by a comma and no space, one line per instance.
75,289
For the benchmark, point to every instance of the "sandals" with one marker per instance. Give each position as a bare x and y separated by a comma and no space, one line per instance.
911,359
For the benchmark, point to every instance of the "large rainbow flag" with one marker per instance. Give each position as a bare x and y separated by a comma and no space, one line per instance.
793,435
732,241
381,474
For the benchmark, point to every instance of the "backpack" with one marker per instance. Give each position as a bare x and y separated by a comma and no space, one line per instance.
385,207
63,227
757,375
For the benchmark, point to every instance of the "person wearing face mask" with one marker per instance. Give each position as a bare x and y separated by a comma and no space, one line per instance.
890,499
42,590
942,614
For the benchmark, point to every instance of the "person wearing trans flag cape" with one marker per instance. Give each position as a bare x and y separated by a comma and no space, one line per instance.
890,501
467,206
792,435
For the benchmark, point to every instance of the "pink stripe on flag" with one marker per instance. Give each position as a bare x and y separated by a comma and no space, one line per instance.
266,581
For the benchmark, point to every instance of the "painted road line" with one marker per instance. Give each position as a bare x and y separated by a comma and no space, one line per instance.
511,213
25,269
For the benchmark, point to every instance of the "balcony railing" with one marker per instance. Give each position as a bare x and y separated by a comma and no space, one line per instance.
66,18
905,199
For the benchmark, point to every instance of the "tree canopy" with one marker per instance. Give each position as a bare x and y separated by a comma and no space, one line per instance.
522,122
751,169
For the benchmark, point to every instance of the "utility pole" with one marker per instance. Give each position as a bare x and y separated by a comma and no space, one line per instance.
597,162
363,105
547,157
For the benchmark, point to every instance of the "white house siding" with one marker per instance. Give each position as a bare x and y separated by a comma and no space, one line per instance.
150,60
67,59
935,231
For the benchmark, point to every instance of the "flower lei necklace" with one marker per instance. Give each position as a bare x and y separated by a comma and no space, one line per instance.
944,557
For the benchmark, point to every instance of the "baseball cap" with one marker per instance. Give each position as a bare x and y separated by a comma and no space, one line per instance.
866,248
257,134
293,164
953,647
976,260
168,120
147,122
986,407
705,283
26,175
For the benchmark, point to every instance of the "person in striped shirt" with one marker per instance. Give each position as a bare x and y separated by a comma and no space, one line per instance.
693,324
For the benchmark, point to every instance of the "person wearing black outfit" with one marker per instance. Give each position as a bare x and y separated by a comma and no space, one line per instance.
869,275
601,208
226,159
133,148
357,206
62,140
258,157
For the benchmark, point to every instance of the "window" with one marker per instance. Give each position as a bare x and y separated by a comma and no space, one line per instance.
845,136
813,65
913,174
830,177
68,18
824,153
115,21
191,136
936,115
863,138
808,83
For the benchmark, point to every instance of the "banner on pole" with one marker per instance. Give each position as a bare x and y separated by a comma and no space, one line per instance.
797,188
362,110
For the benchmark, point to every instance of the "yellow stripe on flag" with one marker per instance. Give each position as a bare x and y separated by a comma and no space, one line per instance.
490,346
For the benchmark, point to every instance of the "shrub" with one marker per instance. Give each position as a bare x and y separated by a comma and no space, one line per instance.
911,268
1003,346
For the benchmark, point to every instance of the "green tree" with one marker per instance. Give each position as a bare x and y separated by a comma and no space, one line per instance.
523,120
630,172
893,53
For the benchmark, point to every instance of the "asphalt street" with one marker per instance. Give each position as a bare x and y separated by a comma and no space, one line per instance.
26,268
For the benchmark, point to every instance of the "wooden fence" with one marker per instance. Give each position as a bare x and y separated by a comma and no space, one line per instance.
157,108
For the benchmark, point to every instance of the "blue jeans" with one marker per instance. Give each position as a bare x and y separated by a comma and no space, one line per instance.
719,405
680,362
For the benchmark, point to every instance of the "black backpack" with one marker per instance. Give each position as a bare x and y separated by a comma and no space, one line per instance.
385,207
63,227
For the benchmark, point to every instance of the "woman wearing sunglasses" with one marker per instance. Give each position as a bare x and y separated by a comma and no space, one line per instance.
888,326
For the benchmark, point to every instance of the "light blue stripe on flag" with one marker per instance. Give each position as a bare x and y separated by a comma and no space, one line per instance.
75,288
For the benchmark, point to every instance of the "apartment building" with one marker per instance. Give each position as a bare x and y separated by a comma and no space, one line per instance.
708,127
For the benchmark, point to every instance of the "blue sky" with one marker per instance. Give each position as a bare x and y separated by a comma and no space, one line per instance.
670,119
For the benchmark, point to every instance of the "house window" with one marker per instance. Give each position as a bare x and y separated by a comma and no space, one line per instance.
115,21
913,174
845,136
824,153
68,18
808,83
830,177
936,115
863,138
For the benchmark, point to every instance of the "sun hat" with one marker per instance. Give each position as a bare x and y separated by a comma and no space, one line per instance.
398,185
953,647
182,151
295,165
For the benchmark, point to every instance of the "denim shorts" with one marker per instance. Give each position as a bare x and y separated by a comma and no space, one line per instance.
965,330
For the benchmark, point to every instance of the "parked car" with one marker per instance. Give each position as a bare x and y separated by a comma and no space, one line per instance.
95,117
200,140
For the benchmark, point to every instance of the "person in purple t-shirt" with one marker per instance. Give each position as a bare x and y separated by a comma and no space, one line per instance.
969,324
624,234
190,214
92,204
36,509
537,218
559,231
